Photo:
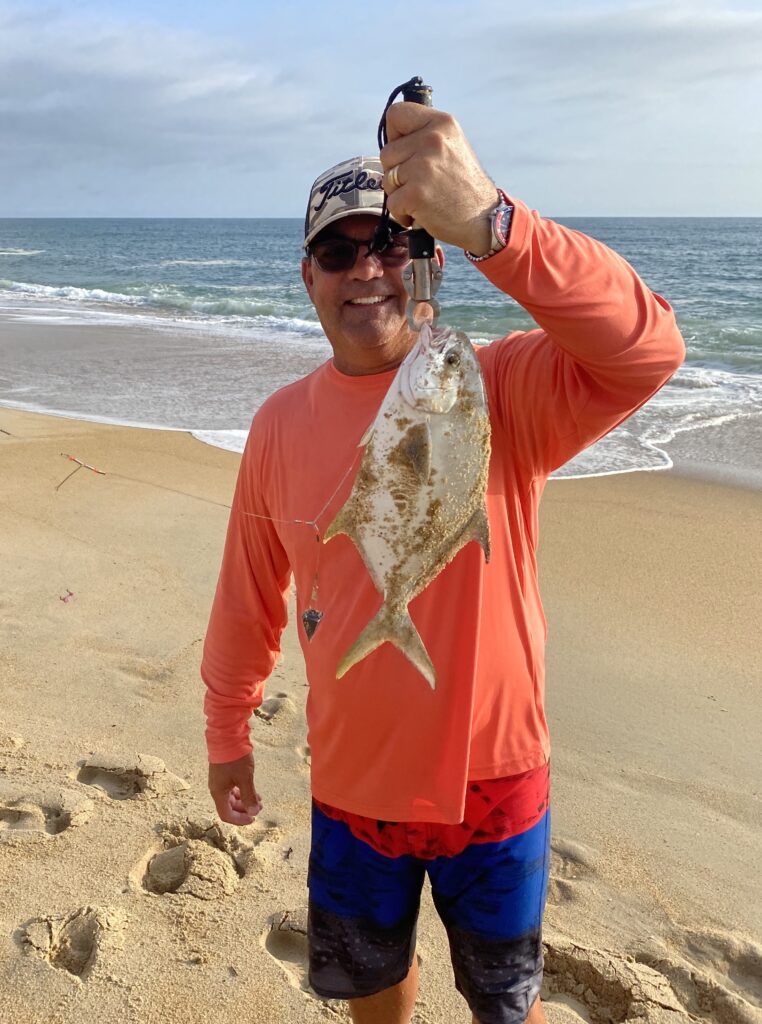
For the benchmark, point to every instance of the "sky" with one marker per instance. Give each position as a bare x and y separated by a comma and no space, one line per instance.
232,108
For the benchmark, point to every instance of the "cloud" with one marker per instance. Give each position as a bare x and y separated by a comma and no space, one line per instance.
136,94
151,117
641,49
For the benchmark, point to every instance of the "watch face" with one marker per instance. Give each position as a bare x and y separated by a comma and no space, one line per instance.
502,223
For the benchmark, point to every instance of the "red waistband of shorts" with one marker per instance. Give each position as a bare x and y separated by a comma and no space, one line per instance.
495,809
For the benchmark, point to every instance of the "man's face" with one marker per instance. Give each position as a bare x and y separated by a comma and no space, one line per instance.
365,337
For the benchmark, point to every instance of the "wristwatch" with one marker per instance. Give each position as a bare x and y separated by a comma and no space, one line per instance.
500,227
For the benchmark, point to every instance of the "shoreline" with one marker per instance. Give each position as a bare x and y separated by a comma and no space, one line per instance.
739,432
173,379
650,586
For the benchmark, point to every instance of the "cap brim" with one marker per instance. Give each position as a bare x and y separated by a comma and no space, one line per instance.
342,215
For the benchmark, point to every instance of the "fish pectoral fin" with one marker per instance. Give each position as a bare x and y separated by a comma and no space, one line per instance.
416,446
343,523
478,530
397,629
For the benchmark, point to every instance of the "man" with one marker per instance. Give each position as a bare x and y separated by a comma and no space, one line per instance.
407,780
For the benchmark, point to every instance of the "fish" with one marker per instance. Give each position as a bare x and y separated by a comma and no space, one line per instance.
419,493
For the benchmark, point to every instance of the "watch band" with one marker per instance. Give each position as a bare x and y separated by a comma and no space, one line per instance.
500,226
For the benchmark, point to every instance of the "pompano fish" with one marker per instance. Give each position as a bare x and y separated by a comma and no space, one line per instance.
419,493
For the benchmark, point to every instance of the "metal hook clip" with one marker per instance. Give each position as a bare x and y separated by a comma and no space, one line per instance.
422,278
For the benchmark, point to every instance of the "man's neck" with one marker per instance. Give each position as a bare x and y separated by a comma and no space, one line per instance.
362,364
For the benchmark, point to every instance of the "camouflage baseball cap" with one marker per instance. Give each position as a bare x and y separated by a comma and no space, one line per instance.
351,187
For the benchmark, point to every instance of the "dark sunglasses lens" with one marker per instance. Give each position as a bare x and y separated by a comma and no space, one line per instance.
396,254
335,255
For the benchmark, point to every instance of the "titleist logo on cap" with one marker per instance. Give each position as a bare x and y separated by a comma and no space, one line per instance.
341,184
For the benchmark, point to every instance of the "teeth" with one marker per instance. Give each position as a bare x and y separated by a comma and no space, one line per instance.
371,300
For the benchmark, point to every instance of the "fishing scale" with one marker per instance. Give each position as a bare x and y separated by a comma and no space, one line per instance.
423,276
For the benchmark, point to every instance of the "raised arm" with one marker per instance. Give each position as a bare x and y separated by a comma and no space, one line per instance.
606,343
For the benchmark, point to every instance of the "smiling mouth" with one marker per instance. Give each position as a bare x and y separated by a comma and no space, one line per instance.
368,300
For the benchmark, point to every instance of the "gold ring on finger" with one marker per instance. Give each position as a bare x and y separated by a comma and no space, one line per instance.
392,178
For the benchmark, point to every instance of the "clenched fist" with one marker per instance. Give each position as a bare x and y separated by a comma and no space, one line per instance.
442,186
232,787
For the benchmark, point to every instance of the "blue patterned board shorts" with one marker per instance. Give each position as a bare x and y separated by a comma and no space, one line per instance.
363,911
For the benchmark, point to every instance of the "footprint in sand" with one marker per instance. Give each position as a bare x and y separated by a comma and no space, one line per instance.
201,859
149,679
715,975
285,939
264,830
133,775
604,988
570,863
33,815
269,709
73,943
10,742
306,755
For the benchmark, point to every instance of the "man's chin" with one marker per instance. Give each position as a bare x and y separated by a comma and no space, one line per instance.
382,326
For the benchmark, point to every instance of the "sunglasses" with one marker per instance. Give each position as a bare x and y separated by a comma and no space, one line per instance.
334,255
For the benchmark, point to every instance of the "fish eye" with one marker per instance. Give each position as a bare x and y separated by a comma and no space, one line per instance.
452,359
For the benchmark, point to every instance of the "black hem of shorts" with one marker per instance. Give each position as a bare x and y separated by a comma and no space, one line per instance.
325,994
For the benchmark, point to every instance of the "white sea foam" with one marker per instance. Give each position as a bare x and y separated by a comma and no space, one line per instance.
86,416
230,440
21,252
208,374
161,304
69,292
694,399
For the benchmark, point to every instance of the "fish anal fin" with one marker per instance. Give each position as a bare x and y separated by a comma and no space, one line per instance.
343,523
395,628
478,529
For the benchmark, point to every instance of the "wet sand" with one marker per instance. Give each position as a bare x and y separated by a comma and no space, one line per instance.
123,900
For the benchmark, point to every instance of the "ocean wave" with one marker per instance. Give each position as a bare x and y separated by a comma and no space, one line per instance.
694,377
162,299
70,292
22,252
207,263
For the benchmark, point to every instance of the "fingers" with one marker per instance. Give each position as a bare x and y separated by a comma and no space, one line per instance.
240,812
424,131
433,177
232,788
405,118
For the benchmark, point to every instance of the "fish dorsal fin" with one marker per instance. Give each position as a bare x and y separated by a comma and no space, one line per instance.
416,446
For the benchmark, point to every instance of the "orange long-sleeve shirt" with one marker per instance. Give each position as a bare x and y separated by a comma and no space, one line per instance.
384,744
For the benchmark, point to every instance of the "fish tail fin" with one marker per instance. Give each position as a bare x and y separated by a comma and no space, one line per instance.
397,628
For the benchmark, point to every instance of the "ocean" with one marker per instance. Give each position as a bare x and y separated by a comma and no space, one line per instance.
191,324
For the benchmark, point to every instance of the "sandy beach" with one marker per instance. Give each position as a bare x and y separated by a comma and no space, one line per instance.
122,899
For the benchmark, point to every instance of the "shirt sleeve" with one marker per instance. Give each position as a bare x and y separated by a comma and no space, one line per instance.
248,616
606,343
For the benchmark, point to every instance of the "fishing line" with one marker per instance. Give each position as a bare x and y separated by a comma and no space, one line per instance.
311,616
